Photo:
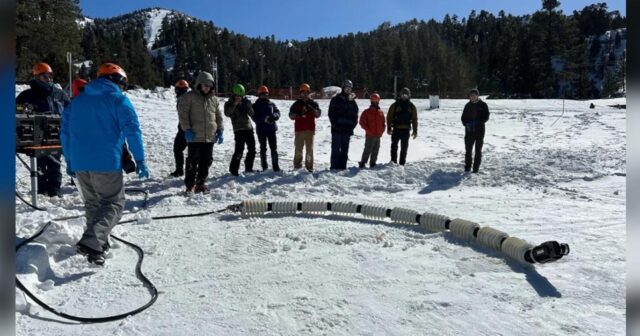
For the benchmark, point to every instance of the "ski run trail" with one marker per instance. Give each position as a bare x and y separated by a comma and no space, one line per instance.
333,275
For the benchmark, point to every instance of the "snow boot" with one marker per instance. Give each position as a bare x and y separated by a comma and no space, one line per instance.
177,173
201,188
93,256
360,164
190,190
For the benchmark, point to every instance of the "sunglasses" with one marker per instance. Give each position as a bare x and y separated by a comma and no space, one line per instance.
46,76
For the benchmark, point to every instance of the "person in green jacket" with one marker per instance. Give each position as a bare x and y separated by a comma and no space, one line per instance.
240,110
402,117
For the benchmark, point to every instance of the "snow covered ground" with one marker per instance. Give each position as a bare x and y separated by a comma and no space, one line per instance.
311,275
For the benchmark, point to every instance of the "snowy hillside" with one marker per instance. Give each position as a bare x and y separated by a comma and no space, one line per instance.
312,275
153,23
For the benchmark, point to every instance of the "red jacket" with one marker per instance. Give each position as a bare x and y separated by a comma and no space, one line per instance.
304,113
373,122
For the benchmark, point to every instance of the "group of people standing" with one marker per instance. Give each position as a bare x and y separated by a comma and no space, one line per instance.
100,121
201,126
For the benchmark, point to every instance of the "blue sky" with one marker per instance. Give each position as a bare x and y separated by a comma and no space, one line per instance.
302,19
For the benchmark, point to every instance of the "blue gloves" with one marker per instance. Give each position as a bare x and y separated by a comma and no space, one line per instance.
189,135
69,171
141,169
219,137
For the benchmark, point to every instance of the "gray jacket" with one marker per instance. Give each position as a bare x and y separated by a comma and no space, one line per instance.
199,112
240,114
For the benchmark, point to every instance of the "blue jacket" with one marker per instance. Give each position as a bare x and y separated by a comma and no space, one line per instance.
263,108
94,128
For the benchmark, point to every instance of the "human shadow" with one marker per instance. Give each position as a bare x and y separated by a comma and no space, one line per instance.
440,180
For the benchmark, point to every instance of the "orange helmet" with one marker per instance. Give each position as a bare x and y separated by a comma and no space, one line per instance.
263,89
305,87
182,84
40,68
375,98
110,69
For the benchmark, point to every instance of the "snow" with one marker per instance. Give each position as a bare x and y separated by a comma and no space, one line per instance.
330,91
310,275
153,24
84,21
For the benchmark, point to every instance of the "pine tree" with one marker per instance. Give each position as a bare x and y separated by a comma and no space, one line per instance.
45,32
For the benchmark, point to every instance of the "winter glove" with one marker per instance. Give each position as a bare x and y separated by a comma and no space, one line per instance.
189,135
141,169
69,171
269,120
415,134
219,137
389,131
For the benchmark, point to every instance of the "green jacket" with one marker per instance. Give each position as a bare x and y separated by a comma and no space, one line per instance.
199,112
402,115
240,115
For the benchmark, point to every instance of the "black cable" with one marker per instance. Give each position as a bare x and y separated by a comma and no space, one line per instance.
24,163
152,289
29,204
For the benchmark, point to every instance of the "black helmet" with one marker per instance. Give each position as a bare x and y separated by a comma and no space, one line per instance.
347,83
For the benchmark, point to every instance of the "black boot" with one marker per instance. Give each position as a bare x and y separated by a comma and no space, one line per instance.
360,164
177,173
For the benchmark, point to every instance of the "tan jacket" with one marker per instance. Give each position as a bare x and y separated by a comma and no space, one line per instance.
200,113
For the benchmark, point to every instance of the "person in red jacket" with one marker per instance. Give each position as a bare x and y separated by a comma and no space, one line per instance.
304,112
373,122
78,86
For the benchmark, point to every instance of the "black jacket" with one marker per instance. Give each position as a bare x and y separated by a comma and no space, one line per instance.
263,108
44,99
475,115
343,114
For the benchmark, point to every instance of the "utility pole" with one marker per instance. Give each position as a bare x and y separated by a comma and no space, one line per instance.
69,60
395,86
261,55
214,68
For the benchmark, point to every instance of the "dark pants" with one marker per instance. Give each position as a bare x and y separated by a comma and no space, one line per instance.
179,145
473,136
401,135
242,138
50,179
199,159
339,150
270,137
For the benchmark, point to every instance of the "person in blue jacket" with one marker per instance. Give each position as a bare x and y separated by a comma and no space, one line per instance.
343,114
265,115
44,97
94,127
